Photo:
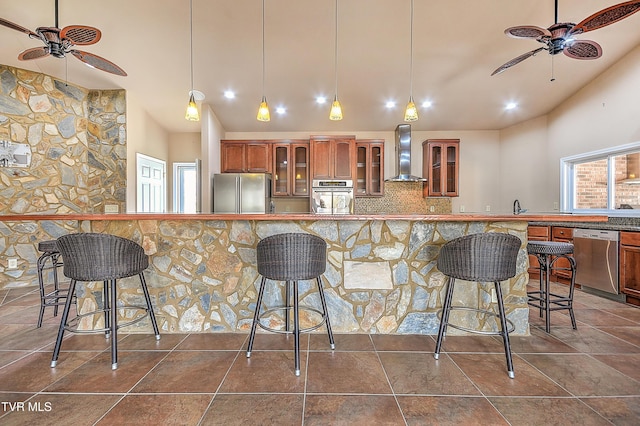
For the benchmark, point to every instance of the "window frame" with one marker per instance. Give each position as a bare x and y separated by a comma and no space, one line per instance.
567,181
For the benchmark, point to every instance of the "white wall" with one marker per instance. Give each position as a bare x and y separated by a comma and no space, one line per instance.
183,148
212,132
144,136
523,157
605,113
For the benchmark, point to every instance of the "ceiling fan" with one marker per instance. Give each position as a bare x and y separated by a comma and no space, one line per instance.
559,36
58,42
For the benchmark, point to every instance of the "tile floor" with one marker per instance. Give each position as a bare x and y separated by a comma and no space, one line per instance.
590,376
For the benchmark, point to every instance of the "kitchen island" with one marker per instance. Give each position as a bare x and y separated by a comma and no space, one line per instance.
381,272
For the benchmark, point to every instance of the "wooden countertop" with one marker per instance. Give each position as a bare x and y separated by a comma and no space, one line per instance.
543,217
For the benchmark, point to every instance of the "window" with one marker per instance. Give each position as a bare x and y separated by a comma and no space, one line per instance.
606,181
185,188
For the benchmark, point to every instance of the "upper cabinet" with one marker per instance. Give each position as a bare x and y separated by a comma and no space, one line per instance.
291,168
440,164
369,167
333,157
245,156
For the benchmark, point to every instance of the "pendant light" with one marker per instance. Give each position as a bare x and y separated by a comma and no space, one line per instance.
263,110
192,113
336,108
411,112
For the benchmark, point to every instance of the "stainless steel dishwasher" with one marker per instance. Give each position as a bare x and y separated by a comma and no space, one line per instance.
596,254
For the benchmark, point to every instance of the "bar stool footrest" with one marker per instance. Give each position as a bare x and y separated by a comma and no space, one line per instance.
511,327
73,323
284,308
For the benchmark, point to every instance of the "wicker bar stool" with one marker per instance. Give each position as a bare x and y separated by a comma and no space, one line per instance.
102,257
489,257
548,254
289,258
50,260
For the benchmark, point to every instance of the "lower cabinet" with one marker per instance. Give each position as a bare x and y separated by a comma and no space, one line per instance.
630,266
536,233
563,235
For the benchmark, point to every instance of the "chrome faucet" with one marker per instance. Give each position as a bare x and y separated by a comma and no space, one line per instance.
516,208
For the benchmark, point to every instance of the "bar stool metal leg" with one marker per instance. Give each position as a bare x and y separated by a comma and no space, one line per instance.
114,324
296,327
504,330
444,320
325,312
152,315
256,317
63,322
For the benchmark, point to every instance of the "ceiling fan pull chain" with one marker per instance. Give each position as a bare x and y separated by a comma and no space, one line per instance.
553,78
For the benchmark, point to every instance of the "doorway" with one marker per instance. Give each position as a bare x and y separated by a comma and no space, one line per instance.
151,184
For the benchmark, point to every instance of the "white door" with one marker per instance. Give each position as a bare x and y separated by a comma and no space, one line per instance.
151,186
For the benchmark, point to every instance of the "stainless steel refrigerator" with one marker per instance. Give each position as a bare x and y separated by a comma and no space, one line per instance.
242,193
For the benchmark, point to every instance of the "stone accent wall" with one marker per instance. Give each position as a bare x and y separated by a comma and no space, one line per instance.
78,143
203,275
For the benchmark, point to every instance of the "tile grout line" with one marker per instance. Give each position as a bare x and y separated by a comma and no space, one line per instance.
215,394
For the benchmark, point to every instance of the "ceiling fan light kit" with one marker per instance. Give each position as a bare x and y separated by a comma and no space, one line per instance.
559,37
58,42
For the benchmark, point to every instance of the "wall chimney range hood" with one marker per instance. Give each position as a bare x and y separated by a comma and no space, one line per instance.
403,156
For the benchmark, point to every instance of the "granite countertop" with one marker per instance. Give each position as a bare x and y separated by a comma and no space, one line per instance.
613,224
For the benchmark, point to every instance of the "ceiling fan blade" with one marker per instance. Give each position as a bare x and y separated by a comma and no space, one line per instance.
34,53
17,27
607,16
517,60
98,62
527,31
583,49
81,35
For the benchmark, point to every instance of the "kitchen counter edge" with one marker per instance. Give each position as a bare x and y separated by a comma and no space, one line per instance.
311,217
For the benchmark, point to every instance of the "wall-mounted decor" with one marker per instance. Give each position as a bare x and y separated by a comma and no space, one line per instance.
14,154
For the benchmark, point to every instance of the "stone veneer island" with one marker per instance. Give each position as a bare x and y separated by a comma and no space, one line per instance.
381,272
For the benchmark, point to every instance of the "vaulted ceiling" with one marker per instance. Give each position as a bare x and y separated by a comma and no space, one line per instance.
456,46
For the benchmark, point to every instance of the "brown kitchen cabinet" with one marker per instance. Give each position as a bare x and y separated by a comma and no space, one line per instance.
291,168
440,166
245,156
536,233
630,266
369,168
563,274
333,157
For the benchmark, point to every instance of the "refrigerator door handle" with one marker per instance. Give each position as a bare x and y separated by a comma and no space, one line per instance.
239,197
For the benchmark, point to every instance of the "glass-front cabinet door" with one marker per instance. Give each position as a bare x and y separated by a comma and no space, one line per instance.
290,169
281,169
300,157
441,166
369,167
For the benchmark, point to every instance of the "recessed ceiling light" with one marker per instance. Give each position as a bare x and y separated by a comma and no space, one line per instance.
390,104
281,110
511,105
426,104
229,94
321,99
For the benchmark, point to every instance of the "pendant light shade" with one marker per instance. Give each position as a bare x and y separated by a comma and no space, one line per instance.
411,112
263,109
192,113
336,109
192,110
